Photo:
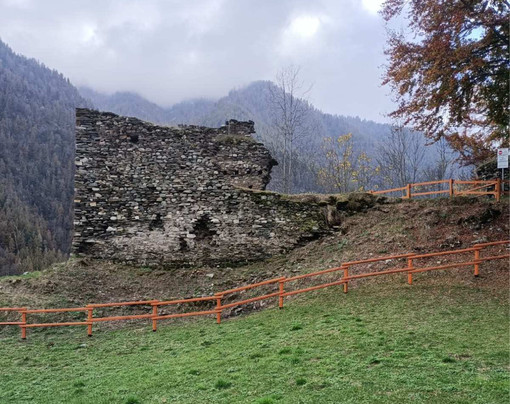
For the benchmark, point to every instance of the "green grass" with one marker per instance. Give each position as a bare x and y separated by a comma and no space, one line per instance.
377,344
28,275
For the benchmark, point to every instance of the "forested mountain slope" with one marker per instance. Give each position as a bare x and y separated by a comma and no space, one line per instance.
131,104
36,162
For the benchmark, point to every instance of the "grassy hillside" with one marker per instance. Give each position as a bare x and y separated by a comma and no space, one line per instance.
381,343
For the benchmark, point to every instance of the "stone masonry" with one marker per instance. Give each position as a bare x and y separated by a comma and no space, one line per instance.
163,196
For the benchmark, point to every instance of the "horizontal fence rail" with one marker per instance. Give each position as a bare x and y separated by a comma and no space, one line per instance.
495,188
409,264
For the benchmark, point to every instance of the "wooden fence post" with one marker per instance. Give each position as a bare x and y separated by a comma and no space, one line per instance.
477,264
452,191
90,311
408,189
497,191
346,275
280,296
154,315
24,323
218,308
409,274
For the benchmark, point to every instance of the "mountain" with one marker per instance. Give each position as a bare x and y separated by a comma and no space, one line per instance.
253,102
37,122
37,149
131,104
126,104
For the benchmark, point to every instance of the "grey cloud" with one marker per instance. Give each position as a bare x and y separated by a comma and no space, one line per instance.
173,50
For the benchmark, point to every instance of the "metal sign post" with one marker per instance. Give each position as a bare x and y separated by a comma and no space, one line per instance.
503,163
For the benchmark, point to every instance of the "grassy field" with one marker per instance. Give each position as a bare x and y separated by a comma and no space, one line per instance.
377,344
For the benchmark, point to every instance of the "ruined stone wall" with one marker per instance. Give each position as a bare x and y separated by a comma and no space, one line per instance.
152,195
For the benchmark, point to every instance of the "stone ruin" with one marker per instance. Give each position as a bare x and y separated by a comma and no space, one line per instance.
173,196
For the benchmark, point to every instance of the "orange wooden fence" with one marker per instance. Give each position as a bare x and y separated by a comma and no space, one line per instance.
451,187
412,264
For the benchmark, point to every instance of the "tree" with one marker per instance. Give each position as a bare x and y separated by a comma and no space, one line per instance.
345,170
291,117
365,173
443,167
401,157
451,73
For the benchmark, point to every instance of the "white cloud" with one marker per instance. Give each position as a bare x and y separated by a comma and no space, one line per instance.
22,4
373,6
89,35
302,38
304,26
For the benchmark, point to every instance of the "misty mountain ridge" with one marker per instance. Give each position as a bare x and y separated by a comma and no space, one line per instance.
253,102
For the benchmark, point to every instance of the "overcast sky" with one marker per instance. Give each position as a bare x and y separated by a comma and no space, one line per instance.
172,50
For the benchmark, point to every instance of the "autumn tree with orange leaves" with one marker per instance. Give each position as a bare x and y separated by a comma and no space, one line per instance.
450,71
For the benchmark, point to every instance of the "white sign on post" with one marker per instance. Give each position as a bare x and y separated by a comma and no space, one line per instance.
503,158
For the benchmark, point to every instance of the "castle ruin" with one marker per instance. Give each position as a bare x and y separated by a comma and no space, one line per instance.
164,196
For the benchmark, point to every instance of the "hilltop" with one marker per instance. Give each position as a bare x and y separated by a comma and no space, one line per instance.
37,107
